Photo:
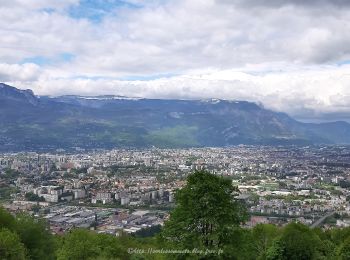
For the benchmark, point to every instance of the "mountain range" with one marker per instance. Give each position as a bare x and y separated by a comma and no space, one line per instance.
30,122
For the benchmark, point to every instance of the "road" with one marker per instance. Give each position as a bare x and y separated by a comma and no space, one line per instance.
320,220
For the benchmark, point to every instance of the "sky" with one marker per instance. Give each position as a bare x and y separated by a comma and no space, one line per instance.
289,56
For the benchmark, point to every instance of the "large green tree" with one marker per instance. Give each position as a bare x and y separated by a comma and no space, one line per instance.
263,237
206,212
6,219
11,246
79,244
344,250
35,235
297,242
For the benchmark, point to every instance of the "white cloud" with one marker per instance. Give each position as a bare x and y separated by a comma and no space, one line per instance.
282,55
175,36
37,4
14,72
307,92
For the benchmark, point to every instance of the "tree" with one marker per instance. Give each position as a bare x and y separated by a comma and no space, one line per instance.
276,251
10,174
338,236
297,242
33,197
110,247
241,245
344,251
11,246
36,237
6,219
263,236
148,231
84,244
328,249
206,212
79,244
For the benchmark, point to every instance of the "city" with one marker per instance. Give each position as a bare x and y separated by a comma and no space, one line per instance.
163,129
128,190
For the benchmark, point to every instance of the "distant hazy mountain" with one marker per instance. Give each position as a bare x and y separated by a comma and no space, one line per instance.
30,122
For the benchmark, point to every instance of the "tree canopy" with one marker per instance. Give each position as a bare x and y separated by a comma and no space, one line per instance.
206,212
11,246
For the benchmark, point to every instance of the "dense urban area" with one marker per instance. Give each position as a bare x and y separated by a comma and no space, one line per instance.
130,190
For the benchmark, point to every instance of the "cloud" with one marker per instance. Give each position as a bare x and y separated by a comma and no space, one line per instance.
37,4
281,53
174,36
13,72
307,93
280,3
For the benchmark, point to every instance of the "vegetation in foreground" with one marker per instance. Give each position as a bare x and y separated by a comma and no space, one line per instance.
204,225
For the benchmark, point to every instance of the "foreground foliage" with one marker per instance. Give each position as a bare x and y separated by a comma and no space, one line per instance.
207,217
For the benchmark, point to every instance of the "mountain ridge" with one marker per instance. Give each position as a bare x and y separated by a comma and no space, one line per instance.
41,122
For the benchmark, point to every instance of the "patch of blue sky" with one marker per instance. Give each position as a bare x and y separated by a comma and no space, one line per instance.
344,62
66,56
43,60
39,60
95,10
